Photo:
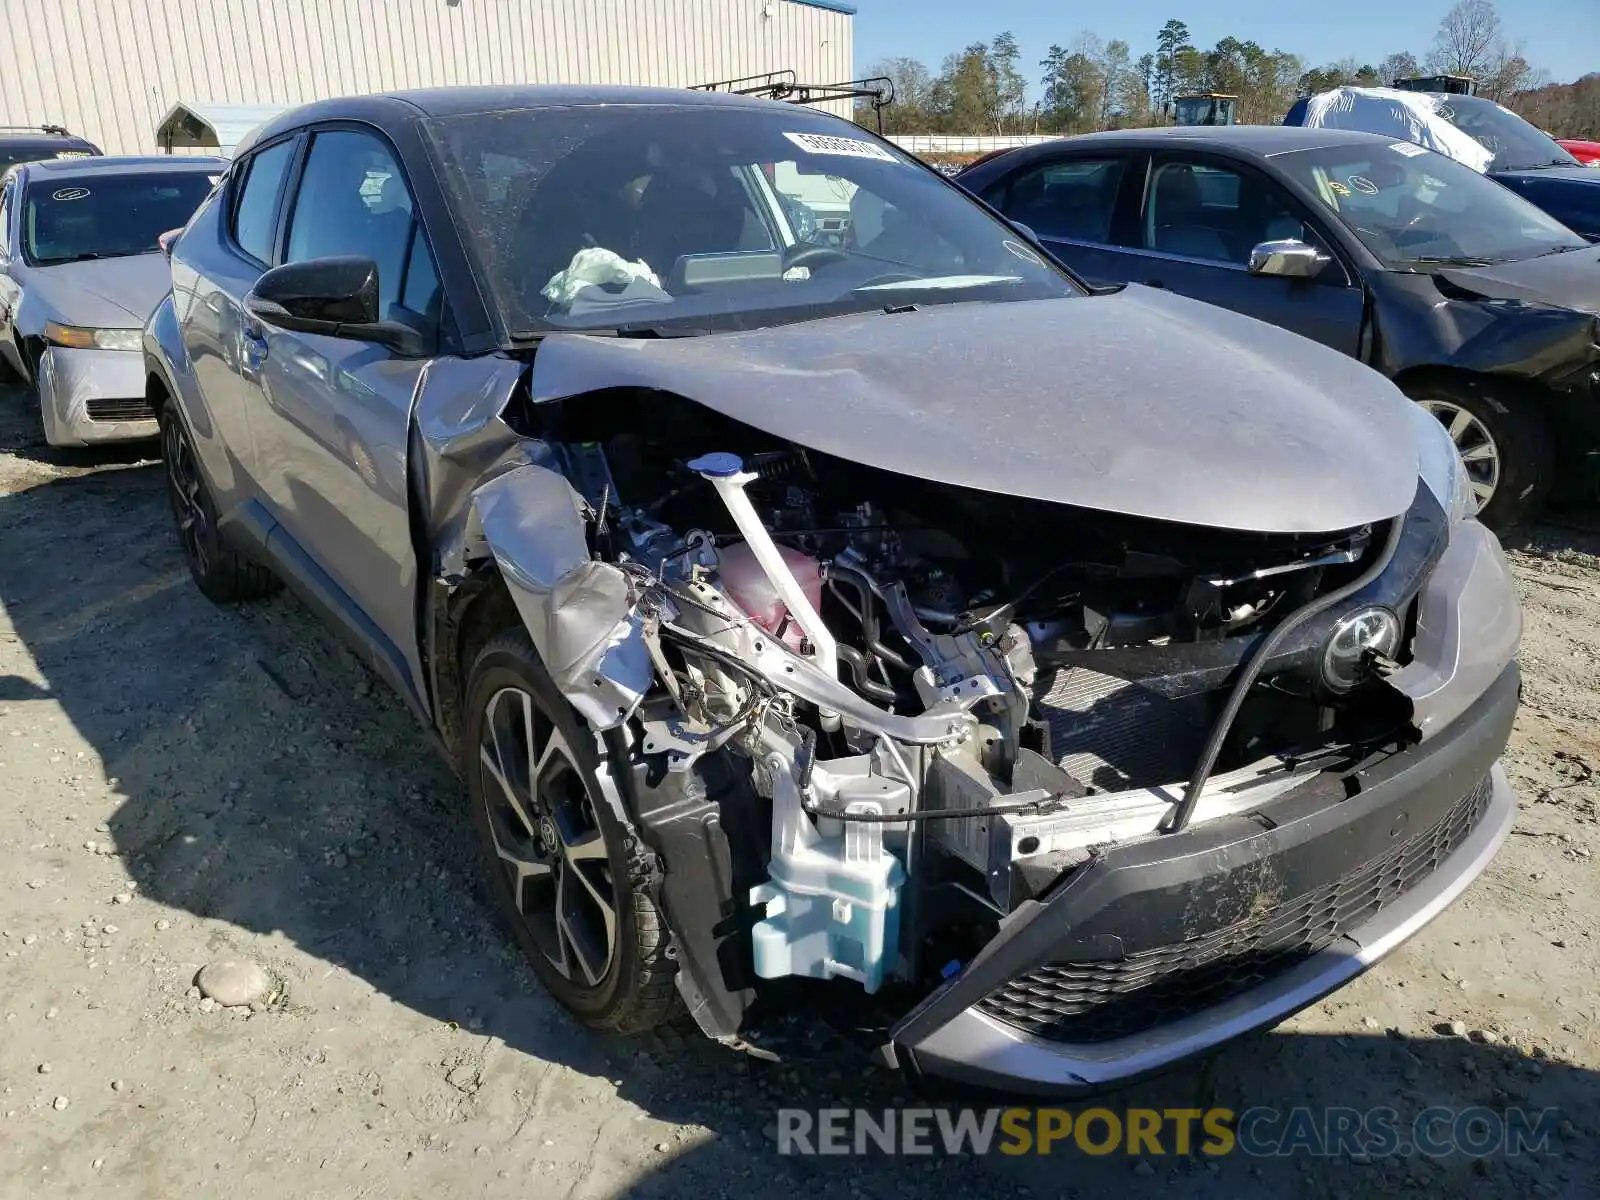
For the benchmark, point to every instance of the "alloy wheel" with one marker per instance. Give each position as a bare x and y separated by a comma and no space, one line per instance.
183,483
547,838
1476,445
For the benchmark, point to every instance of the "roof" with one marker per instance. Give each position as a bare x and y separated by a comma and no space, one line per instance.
21,135
831,5
36,131
1254,139
448,101
456,101
211,126
73,168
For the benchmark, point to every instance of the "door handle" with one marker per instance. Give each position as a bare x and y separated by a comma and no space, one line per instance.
253,343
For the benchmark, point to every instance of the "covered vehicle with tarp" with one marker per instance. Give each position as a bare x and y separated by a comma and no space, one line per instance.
1472,130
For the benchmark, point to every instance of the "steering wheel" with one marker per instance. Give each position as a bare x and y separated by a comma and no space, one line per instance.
810,256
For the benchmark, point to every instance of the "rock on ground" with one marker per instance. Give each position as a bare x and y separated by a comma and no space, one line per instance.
232,983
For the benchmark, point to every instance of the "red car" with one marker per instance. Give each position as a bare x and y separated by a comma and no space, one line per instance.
1588,153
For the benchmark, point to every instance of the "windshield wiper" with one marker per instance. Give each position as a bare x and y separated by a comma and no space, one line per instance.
1448,260
90,256
641,330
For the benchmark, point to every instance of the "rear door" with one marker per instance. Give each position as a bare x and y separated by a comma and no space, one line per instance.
1198,222
332,425
1071,203
221,260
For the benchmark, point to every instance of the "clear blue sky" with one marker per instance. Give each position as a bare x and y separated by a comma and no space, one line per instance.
1562,37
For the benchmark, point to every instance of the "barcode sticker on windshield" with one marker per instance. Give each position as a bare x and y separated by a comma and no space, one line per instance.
1409,149
825,143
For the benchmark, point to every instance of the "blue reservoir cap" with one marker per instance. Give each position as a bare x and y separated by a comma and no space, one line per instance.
720,464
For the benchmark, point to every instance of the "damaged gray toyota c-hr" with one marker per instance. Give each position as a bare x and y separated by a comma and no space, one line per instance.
842,620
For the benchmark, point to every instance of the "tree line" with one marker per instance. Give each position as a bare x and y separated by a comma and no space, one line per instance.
1090,84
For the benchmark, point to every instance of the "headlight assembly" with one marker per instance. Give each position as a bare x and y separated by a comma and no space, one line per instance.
1439,463
75,338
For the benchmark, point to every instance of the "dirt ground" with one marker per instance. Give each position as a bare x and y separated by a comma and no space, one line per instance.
184,784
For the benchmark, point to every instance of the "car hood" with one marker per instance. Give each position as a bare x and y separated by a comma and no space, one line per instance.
1575,176
1570,280
118,293
1138,402
1569,194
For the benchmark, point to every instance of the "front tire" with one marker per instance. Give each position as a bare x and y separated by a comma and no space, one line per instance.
1504,442
560,863
221,572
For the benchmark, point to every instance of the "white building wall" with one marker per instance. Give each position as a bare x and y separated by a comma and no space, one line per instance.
110,69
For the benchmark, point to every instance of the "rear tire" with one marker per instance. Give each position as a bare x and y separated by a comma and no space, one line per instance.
562,868
1505,443
222,573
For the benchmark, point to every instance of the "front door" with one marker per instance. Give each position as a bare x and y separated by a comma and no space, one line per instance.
332,428
1198,224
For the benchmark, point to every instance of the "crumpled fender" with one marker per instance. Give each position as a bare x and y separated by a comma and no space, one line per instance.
1477,321
581,614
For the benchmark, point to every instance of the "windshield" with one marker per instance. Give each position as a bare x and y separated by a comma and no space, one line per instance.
1516,145
1411,206
106,216
706,216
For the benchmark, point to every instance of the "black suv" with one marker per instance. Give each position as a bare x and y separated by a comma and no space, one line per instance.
30,143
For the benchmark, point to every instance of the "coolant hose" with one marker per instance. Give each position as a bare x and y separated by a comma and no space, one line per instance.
1178,820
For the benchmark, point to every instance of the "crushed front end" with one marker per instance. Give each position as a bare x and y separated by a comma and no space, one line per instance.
1034,795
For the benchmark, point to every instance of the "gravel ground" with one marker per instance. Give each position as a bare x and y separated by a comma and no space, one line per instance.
187,784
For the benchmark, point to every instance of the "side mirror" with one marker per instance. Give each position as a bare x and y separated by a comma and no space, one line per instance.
336,297
1026,231
1288,258
166,241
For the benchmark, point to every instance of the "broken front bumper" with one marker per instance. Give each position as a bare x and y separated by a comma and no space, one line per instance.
1162,949
90,396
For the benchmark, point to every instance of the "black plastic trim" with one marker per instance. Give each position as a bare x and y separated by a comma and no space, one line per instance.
1187,668
1151,893
317,590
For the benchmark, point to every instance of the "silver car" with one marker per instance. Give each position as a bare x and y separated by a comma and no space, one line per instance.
80,272
889,632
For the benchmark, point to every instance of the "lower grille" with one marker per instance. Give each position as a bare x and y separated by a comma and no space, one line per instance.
136,409
1087,1002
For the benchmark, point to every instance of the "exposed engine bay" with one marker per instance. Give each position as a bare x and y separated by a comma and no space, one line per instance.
909,707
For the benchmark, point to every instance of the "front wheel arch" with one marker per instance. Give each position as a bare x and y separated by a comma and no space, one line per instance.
1514,415
637,991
